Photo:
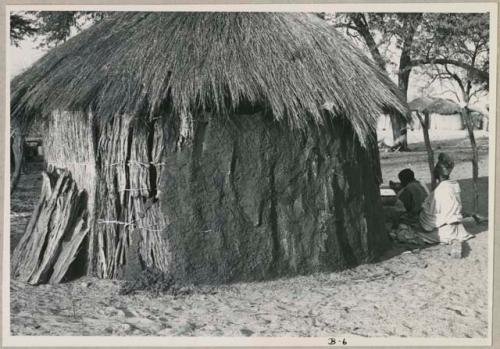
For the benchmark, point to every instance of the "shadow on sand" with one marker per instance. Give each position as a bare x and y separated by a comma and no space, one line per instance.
398,248
466,186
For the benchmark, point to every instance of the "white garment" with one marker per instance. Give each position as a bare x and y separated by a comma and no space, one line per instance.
442,210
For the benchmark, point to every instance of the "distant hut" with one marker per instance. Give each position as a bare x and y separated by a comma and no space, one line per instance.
444,114
210,146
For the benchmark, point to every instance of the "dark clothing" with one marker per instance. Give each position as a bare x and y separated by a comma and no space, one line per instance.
413,196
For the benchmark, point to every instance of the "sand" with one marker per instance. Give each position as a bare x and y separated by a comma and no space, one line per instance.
422,293
419,294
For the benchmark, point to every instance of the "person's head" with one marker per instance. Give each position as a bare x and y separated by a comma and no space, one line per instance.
406,176
443,167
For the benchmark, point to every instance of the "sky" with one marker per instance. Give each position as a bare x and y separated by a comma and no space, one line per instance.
22,57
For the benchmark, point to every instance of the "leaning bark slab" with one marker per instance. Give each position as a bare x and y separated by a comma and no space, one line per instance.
56,230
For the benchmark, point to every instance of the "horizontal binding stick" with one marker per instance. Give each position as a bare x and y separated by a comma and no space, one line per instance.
132,162
130,223
115,222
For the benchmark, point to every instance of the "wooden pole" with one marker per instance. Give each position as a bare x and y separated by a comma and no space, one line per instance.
17,147
475,157
430,154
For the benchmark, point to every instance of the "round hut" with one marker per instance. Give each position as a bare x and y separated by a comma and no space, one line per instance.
444,114
210,146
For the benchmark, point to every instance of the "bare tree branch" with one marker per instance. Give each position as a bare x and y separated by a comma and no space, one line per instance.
345,25
480,74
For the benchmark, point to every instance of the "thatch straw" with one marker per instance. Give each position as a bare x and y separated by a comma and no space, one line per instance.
288,64
434,105
420,103
444,107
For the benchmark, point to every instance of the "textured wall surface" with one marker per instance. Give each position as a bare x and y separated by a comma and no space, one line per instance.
250,201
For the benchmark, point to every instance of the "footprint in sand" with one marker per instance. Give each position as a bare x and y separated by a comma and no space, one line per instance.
166,331
145,325
246,332
187,329
127,313
111,312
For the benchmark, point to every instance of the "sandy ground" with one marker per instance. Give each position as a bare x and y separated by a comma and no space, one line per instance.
423,293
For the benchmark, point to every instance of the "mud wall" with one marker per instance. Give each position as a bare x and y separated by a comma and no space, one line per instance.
250,200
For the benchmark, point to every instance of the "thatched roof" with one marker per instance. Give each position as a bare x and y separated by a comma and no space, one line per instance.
444,107
290,64
434,105
420,103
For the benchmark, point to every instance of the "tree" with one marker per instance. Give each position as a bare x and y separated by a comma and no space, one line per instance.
402,28
56,27
21,27
450,39
466,38
416,41
424,106
425,122
51,28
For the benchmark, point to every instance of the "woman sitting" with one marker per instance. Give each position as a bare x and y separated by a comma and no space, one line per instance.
412,194
440,217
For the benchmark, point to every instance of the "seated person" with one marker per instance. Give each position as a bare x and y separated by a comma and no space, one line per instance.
443,210
412,194
440,219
